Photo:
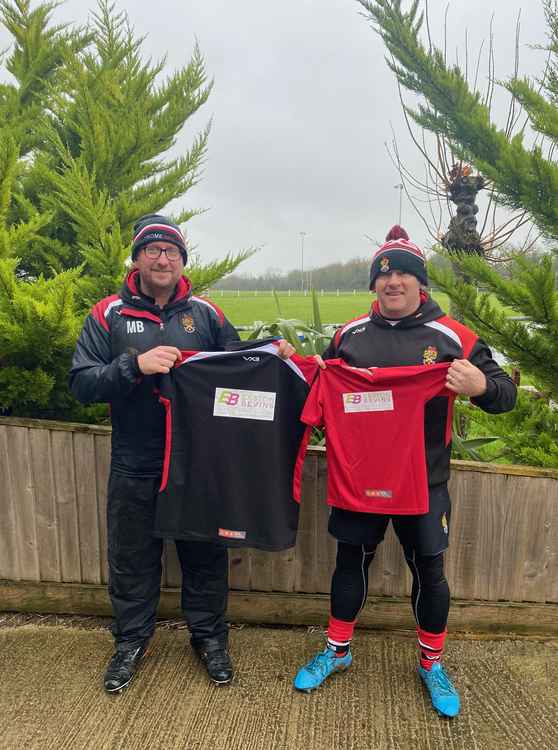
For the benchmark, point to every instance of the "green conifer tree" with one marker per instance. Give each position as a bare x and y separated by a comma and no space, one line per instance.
88,131
525,177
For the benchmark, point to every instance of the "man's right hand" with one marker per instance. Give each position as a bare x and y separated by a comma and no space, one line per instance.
158,360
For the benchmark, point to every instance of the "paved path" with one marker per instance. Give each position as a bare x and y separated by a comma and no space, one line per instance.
51,696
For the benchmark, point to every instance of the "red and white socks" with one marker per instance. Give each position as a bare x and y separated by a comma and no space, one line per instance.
339,635
431,647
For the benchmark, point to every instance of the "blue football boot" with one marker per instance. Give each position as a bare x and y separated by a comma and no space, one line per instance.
445,697
319,669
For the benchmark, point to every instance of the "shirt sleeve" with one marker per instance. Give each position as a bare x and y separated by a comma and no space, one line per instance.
312,413
436,386
94,376
308,366
501,391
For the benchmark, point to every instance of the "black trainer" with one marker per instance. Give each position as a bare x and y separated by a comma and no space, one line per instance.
122,667
214,655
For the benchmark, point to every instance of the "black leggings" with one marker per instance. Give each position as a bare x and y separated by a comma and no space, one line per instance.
430,595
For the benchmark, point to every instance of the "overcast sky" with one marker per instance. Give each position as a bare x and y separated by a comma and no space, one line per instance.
302,107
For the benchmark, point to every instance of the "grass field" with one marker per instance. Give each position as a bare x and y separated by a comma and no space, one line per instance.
247,307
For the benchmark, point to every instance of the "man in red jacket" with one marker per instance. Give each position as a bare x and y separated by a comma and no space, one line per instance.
406,327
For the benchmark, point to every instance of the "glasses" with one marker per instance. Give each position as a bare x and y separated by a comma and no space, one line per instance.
172,253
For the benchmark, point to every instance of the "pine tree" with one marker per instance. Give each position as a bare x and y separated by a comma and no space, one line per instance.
525,178
526,435
87,132
38,330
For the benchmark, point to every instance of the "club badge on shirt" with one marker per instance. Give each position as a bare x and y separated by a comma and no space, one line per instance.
429,355
188,323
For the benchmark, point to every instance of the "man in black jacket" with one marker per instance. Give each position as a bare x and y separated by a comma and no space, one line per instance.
126,341
406,327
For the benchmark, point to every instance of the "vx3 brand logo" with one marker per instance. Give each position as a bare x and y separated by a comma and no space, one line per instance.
359,330
230,398
386,494
251,359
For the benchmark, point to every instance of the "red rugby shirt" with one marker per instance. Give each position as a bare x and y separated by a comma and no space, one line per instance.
374,421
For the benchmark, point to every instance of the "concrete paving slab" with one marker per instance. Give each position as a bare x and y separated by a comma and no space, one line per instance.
51,695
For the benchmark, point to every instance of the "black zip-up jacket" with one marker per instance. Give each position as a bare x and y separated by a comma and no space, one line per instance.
425,337
105,369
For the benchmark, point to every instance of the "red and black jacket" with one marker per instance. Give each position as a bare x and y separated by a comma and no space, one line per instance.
425,337
104,366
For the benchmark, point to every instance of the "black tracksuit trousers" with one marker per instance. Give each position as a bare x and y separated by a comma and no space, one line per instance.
134,557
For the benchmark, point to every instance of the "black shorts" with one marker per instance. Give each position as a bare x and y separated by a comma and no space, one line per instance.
426,534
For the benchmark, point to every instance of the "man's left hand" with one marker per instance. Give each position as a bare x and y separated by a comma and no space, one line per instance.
284,349
465,379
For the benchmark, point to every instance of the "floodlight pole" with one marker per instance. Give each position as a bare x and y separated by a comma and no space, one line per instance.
302,236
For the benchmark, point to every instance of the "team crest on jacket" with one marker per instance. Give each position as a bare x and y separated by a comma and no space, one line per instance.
429,355
445,524
188,323
384,264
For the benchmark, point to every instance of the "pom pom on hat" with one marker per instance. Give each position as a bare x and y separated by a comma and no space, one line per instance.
397,233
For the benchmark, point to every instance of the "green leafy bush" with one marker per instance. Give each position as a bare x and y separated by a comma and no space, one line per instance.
526,435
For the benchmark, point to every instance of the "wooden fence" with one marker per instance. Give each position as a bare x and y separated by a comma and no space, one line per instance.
503,552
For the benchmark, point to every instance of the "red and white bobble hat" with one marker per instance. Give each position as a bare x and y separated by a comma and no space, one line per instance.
398,253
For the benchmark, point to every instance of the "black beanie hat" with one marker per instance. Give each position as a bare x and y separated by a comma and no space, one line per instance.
157,228
398,253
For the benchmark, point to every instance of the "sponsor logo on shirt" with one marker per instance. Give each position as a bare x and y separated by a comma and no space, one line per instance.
251,359
242,404
429,355
359,330
230,534
368,401
379,493
188,323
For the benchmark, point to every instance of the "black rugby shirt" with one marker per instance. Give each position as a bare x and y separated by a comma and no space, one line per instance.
233,433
